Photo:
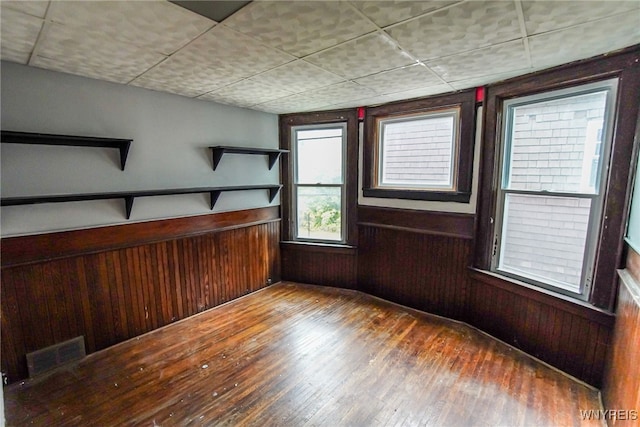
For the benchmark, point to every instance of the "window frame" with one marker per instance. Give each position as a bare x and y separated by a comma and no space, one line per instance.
286,123
462,167
597,198
625,66
295,185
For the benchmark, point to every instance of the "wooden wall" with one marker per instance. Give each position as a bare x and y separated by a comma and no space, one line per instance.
114,283
320,265
422,259
423,271
567,335
621,389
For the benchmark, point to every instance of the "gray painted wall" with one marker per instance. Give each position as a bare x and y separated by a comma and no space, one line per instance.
170,136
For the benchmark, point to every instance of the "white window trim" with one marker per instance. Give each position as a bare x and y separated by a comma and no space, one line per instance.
597,203
295,185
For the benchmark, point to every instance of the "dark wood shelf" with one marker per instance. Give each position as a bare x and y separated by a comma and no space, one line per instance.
219,150
123,145
130,196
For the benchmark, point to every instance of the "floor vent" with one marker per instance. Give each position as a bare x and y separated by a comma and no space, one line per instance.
57,355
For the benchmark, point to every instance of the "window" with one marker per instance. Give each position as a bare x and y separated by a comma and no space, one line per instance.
318,182
421,150
418,151
553,157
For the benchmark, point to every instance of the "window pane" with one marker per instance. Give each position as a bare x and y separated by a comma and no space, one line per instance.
319,213
556,145
544,237
319,156
418,152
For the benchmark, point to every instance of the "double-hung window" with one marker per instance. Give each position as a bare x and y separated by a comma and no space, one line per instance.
554,154
319,182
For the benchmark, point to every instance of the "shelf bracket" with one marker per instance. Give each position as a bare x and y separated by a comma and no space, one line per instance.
273,192
124,152
217,155
273,158
214,197
128,205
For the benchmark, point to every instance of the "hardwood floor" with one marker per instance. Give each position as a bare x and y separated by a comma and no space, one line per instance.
295,355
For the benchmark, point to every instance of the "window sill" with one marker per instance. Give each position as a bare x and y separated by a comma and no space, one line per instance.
320,247
434,196
544,296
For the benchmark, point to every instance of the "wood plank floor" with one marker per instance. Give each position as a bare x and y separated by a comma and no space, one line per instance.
297,355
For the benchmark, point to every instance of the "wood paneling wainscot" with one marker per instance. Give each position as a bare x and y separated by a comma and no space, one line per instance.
114,283
571,336
421,259
415,258
320,264
621,391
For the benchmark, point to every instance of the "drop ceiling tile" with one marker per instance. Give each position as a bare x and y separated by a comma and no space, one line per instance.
91,70
229,52
297,76
226,100
9,54
37,8
398,96
544,16
486,80
586,40
487,61
291,104
18,34
67,49
341,92
418,92
385,13
405,78
300,27
361,57
178,87
182,73
157,26
246,93
463,27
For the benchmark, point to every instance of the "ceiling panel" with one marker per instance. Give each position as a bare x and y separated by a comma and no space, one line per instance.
293,103
385,13
191,83
297,76
246,93
510,56
393,97
218,58
485,80
583,41
367,55
229,52
462,27
401,79
543,16
72,50
37,8
301,27
156,26
18,34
